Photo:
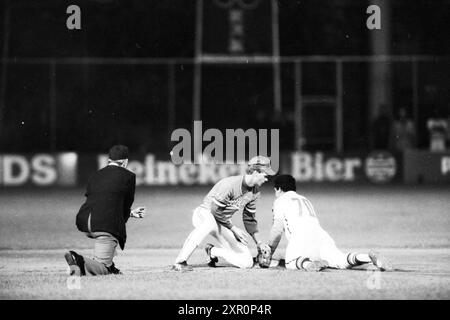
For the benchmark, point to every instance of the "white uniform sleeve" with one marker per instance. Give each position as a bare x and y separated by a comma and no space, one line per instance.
277,227
277,210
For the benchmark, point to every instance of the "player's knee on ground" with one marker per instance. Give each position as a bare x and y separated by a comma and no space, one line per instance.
104,249
245,261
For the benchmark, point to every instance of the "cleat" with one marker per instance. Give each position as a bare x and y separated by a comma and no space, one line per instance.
379,261
316,266
182,267
212,260
113,270
80,262
281,263
74,269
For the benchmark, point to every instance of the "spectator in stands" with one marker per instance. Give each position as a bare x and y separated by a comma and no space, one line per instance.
438,128
448,130
403,132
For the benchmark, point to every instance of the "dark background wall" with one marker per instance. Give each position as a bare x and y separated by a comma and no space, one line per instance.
87,107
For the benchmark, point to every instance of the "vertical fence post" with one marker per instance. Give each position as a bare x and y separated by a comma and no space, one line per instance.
415,95
171,101
298,107
52,106
196,112
276,57
339,106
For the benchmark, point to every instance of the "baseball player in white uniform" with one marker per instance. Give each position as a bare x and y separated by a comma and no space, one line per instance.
214,217
309,246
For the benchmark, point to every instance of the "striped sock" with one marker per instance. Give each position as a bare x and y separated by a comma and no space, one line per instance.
301,261
357,259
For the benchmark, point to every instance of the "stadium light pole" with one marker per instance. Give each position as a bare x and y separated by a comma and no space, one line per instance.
339,107
276,57
380,81
196,100
415,95
52,105
171,91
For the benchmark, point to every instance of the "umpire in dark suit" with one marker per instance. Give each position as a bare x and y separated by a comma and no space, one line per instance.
109,196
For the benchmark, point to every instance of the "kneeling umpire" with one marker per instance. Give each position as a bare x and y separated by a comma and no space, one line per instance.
109,196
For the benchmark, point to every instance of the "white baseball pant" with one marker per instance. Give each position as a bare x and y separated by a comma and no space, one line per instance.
230,248
312,242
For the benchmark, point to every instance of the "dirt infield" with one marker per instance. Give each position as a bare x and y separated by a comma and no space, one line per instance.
411,226
41,274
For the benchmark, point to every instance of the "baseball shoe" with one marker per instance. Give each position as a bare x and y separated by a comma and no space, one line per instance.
212,261
76,263
379,261
182,266
113,270
316,266
281,263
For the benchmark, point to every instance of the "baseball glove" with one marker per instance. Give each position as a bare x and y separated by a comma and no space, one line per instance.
264,256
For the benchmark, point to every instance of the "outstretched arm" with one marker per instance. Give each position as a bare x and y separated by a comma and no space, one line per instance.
217,209
275,234
248,217
255,237
251,225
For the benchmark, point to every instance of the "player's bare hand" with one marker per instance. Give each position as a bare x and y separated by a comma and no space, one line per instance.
139,212
240,235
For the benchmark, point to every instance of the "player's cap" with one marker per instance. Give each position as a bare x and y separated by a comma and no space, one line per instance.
285,182
261,163
118,152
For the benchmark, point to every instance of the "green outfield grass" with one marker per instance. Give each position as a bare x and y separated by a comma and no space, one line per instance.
410,225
